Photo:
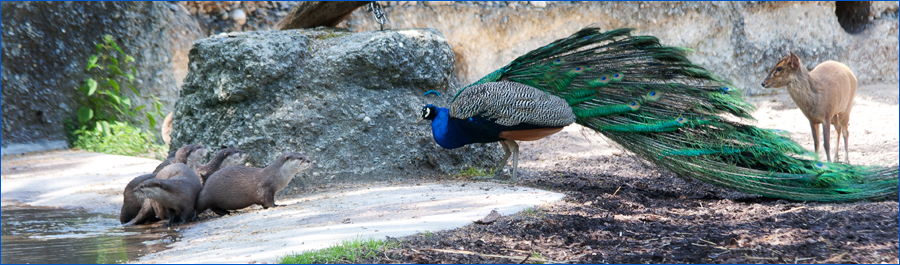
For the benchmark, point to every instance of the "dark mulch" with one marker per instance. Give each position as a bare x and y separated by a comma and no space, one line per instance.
638,213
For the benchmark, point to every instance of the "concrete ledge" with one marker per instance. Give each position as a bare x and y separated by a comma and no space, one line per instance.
21,148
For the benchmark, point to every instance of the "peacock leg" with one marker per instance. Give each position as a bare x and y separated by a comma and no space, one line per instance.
514,147
506,154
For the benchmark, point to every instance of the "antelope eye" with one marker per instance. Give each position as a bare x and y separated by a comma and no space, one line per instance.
778,69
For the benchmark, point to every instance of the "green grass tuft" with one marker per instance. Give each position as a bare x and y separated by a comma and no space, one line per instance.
329,35
470,172
349,251
537,255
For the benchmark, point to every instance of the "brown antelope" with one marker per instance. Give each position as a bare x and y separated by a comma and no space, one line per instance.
825,95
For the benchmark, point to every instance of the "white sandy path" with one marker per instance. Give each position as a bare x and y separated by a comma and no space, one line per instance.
305,221
70,179
320,220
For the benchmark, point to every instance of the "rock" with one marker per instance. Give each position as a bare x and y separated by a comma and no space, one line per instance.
47,44
239,16
540,4
437,3
310,87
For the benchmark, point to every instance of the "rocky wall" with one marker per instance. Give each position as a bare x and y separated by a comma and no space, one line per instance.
739,41
46,46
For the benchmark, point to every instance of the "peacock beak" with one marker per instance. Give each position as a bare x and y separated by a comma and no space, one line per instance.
418,120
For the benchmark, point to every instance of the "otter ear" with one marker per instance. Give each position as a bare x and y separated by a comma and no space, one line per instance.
795,61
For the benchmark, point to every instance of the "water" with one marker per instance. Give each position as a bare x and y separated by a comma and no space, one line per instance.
53,235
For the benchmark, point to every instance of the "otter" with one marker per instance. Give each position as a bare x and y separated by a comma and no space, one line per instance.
173,193
237,187
132,205
188,154
224,158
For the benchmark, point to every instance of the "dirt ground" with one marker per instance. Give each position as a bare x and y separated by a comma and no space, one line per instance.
620,210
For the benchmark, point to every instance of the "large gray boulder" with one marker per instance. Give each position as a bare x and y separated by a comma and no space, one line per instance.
45,49
346,100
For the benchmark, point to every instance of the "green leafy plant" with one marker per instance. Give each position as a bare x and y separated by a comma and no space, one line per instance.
349,251
105,92
107,119
119,138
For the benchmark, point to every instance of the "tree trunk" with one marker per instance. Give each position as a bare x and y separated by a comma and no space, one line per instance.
318,13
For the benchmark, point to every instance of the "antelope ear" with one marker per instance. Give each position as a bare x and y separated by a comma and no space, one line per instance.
795,61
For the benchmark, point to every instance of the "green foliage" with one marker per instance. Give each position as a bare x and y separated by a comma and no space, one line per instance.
118,138
349,251
105,112
470,172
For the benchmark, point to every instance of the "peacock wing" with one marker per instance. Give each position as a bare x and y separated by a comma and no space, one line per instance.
510,103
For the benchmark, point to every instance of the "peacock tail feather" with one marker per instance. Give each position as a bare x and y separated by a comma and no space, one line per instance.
651,100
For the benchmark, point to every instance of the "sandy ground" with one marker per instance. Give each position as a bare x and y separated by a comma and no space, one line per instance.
302,222
319,220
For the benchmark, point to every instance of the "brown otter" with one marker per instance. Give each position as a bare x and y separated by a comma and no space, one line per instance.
132,206
174,193
224,158
188,154
237,187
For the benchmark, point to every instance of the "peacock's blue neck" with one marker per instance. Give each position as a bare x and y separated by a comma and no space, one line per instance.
447,132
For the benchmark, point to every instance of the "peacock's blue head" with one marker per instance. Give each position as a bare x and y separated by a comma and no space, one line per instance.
428,113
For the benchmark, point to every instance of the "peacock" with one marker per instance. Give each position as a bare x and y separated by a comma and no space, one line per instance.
651,100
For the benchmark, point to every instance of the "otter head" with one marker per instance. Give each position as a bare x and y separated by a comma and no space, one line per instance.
151,189
429,112
233,157
190,155
782,73
294,163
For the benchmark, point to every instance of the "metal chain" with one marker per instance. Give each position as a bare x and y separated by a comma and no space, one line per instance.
376,10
